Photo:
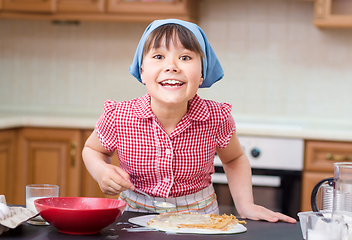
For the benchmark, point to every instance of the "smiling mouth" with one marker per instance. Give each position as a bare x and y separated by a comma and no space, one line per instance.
171,83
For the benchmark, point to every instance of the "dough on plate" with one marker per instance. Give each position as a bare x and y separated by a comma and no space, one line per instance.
194,220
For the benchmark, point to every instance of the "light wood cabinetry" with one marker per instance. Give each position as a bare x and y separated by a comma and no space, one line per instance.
39,6
7,163
48,156
100,10
81,6
320,157
165,9
333,13
45,156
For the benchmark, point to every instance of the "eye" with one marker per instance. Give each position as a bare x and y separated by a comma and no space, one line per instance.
158,56
185,58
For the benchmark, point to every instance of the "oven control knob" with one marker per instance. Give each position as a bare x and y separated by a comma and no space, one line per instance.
255,152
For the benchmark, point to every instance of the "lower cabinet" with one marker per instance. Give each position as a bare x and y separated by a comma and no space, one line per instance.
45,156
319,160
49,156
7,164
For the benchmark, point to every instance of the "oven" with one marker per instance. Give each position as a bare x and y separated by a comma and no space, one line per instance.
277,165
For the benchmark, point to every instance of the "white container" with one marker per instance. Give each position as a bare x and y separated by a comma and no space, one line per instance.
303,220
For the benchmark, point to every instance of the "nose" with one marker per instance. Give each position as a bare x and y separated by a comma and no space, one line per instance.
171,66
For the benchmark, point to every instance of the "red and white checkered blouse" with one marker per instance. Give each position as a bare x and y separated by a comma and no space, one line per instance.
159,164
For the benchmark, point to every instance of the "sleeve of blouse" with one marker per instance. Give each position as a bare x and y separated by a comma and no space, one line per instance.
105,127
227,126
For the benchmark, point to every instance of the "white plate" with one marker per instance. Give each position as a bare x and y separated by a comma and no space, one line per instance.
142,221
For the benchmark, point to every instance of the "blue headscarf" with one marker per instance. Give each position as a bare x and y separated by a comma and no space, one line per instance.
212,70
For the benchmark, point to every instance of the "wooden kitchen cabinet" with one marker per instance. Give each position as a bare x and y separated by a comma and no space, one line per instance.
45,156
184,9
48,156
90,186
320,157
81,6
52,6
333,13
7,163
39,6
100,10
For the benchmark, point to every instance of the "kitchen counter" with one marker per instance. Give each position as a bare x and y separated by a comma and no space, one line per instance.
303,129
255,230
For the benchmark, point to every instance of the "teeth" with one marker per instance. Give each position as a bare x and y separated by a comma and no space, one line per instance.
172,82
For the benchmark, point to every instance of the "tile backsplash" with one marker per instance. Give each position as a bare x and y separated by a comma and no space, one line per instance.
277,64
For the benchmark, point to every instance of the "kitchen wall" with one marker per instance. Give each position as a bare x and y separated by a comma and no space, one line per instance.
278,66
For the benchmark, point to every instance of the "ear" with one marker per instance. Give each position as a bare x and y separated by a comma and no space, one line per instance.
142,75
201,81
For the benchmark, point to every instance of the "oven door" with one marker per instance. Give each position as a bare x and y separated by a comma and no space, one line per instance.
277,190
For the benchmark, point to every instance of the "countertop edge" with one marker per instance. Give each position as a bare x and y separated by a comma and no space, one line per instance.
301,131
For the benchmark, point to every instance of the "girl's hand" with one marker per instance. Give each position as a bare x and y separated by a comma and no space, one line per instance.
256,212
113,180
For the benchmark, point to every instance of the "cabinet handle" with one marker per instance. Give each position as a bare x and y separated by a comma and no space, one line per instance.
338,157
73,153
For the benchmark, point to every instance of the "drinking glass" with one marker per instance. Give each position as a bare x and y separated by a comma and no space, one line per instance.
36,191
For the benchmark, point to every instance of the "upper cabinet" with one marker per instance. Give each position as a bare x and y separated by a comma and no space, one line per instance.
100,10
164,8
40,6
81,6
333,13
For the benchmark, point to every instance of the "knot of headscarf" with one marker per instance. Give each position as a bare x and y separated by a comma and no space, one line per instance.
212,70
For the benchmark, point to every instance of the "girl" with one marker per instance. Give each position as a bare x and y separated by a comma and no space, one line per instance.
166,140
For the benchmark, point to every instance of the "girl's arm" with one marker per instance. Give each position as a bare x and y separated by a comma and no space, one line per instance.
239,177
111,179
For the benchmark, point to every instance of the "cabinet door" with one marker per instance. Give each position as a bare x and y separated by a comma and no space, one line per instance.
82,6
7,160
49,156
90,186
186,9
333,13
310,179
45,6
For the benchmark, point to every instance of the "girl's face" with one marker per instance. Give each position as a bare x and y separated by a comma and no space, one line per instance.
172,76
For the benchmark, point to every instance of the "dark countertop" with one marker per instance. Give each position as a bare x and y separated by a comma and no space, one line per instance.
256,230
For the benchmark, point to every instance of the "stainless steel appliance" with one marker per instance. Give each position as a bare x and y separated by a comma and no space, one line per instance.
277,165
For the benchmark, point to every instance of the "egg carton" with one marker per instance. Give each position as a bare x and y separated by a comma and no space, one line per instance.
19,215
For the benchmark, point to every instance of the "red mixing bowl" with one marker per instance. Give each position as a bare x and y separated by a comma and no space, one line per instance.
79,215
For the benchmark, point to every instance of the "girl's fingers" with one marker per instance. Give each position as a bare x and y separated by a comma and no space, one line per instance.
262,213
115,180
127,183
282,217
271,216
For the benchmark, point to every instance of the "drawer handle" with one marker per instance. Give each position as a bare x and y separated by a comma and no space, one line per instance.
338,157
